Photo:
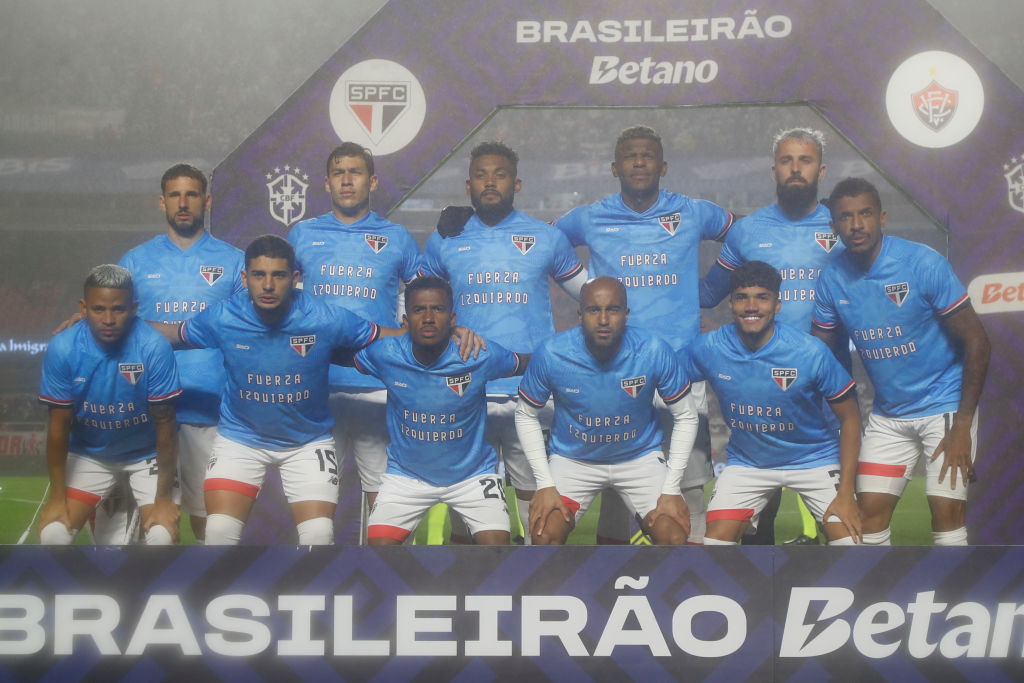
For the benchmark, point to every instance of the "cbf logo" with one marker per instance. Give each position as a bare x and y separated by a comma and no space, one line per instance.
130,371
376,242
211,273
670,222
633,385
784,377
1014,175
898,292
378,104
459,383
303,344
286,192
826,240
935,105
524,243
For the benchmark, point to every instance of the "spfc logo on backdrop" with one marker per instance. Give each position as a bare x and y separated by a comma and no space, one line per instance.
670,222
633,385
376,242
1015,183
303,343
898,292
935,105
379,104
130,371
459,383
211,273
287,194
784,377
524,243
826,240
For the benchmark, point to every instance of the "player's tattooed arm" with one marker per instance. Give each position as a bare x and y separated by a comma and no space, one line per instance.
171,332
164,511
844,505
58,432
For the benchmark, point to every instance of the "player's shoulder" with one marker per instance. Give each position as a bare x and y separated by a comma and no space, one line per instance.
915,254
145,250
68,341
211,244
145,337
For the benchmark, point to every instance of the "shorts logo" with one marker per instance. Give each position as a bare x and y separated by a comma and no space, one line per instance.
784,377
670,222
1015,183
376,242
524,243
303,344
633,385
826,240
211,273
459,383
934,99
130,371
379,104
898,292
287,194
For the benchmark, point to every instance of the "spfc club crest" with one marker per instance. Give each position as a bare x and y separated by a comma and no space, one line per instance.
524,243
826,240
211,273
376,242
1015,183
935,105
377,105
459,383
287,194
670,222
898,292
633,385
130,371
303,343
784,377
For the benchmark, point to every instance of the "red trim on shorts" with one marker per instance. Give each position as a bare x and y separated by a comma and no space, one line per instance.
221,484
573,506
90,499
734,514
387,531
880,470
694,543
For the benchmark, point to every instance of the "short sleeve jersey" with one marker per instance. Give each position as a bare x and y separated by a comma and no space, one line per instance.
110,391
771,398
499,276
655,254
894,314
436,413
604,412
172,285
358,267
276,394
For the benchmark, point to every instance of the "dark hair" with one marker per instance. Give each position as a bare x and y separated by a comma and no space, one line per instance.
270,246
498,149
755,274
638,133
350,149
109,276
852,187
429,282
183,171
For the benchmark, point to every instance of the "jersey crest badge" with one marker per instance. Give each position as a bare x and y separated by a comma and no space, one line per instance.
898,292
826,240
670,222
211,273
524,243
1015,183
302,344
287,194
458,383
633,385
784,377
130,371
376,242
935,105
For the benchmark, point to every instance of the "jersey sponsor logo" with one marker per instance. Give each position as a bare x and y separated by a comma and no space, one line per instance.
784,377
1015,183
462,249
524,243
303,343
898,292
458,383
670,222
286,192
376,242
934,99
211,273
633,385
826,240
379,104
153,276
130,371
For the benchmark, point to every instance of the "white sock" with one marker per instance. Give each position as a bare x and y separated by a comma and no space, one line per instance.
877,538
159,535
223,530
954,537
316,531
715,541
523,506
55,533
694,498
845,540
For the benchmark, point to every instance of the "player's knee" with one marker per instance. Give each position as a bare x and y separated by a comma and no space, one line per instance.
159,535
223,529
546,538
667,532
717,541
55,533
954,537
877,538
316,531
845,540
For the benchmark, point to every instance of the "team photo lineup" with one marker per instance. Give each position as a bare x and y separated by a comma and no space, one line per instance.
194,367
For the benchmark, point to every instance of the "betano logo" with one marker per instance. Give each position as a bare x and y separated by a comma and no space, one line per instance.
997,292
378,104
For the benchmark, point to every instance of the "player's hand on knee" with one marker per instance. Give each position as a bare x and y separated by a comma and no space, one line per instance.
164,512
956,445
55,510
845,508
673,508
544,502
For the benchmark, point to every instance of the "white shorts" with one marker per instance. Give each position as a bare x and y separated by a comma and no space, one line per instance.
89,481
699,468
402,502
742,492
891,448
501,434
308,472
637,481
361,432
195,444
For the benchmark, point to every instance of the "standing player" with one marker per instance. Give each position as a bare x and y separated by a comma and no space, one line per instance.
770,380
648,239
498,265
352,258
110,385
606,432
436,411
925,351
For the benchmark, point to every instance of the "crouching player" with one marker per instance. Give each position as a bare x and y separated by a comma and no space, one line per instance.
436,408
110,384
770,379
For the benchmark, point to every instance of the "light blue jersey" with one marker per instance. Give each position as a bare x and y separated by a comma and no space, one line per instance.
655,254
172,285
894,314
110,391
771,398
604,412
436,413
276,392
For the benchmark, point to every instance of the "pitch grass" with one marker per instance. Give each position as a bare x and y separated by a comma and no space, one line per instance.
20,497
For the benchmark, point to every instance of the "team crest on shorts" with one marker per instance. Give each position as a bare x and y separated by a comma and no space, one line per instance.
130,371
670,222
898,292
633,385
524,243
935,105
302,344
784,377
376,242
1015,183
211,273
287,194
458,383
826,240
